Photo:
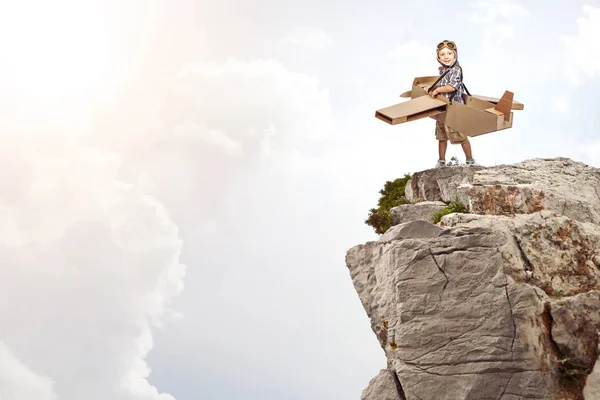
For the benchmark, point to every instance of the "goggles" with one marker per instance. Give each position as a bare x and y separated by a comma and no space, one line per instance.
446,43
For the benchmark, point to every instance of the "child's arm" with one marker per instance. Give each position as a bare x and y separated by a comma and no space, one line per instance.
443,89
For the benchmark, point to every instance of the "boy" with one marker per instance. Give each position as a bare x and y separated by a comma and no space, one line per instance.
449,85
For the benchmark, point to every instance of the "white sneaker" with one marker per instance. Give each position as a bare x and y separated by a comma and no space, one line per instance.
470,161
440,163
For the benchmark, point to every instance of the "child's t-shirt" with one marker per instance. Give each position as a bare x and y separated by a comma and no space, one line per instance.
454,78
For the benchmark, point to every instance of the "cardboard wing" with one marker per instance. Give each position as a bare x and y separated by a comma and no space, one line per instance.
411,110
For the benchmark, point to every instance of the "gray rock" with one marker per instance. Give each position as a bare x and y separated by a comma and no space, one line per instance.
576,193
575,327
439,184
503,303
413,229
559,184
409,194
560,252
383,387
447,315
419,211
592,385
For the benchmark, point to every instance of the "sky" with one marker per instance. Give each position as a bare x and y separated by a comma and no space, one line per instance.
181,180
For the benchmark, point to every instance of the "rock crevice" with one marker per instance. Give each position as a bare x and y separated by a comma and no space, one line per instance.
512,345
441,270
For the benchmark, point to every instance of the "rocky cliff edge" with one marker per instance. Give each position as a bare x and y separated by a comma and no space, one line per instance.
501,303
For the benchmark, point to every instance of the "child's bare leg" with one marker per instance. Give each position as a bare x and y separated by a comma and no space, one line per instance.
442,146
466,146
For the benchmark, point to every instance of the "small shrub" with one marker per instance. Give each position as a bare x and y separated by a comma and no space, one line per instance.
453,207
392,195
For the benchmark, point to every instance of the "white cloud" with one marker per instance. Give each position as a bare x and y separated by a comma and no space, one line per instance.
89,265
89,244
18,382
195,132
581,47
222,121
309,38
252,99
283,123
497,18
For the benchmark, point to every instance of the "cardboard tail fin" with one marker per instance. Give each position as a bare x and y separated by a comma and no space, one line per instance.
505,104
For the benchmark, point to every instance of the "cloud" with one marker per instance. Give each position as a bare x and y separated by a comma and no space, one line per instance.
91,241
309,38
249,97
497,18
214,123
18,382
580,55
195,132
264,202
90,264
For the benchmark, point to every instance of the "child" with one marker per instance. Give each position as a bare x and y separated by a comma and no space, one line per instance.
449,85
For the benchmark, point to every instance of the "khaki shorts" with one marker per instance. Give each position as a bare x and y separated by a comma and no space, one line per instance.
443,132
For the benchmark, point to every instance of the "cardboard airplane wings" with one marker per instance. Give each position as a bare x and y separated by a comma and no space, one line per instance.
479,114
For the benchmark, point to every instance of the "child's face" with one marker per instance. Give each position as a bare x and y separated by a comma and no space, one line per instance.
446,56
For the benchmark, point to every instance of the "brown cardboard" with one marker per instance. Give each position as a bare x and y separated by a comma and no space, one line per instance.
418,91
476,102
421,84
515,104
494,111
505,104
479,115
474,122
423,80
421,107
426,81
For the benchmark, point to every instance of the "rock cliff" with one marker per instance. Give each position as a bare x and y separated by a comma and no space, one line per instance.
501,303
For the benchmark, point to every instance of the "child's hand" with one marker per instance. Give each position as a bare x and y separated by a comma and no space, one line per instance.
434,93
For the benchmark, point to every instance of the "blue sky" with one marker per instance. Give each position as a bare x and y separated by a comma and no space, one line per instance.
183,179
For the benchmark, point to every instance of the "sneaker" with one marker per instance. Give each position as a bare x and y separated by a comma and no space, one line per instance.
440,163
470,161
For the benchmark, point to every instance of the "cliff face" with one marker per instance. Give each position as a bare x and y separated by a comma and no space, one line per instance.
502,303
